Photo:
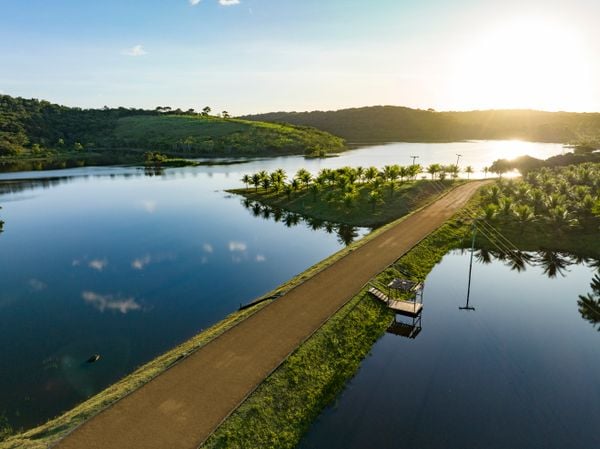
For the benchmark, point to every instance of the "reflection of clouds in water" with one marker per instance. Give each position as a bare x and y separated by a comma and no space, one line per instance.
141,262
236,259
98,264
260,258
36,285
110,302
149,206
208,248
237,246
76,262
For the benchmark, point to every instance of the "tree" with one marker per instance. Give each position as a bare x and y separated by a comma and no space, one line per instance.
77,146
225,114
469,171
256,181
246,179
375,198
434,169
206,111
304,176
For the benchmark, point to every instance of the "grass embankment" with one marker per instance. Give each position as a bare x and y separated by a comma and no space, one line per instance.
406,197
281,410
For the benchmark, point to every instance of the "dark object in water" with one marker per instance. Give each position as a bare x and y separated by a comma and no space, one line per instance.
93,359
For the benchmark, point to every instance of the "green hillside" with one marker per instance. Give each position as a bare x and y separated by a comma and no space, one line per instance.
393,123
39,129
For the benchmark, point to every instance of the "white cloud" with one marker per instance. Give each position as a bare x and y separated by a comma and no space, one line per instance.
194,2
260,258
136,50
109,302
237,246
208,248
229,2
98,264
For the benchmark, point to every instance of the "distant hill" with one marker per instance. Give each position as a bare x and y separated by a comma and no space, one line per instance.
34,128
394,123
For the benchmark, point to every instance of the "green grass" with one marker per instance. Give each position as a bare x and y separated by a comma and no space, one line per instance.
213,136
283,407
406,197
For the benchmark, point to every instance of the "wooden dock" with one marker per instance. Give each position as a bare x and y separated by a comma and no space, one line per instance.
406,308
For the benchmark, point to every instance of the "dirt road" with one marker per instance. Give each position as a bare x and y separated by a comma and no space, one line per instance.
182,407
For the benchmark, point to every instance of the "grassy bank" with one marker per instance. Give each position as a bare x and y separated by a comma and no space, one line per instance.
281,410
363,211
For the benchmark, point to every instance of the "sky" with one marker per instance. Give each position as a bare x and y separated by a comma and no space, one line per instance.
252,56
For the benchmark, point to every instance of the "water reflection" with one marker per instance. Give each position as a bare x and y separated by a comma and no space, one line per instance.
589,305
553,263
346,234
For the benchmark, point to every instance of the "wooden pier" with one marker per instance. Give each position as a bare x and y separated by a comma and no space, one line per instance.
406,308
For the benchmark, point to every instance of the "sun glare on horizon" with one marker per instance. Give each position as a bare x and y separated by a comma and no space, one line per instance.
525,63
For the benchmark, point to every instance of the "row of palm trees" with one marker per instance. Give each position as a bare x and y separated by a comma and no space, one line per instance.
342,184
563,196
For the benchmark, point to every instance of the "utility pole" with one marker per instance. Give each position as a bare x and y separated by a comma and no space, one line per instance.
467,307
414,158
458,156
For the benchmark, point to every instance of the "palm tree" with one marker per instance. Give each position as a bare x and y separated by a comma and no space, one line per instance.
524,214
469,171
414,170
246,179
256,181
265,183
288,190
433,169
375,198
371,173
304,176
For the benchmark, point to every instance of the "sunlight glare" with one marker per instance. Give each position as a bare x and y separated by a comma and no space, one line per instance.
528,63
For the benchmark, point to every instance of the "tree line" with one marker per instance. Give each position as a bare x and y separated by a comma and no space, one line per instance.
342,185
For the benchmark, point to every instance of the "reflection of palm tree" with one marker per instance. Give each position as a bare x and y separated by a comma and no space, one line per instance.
266,212
329,227
553,263
247,203
314,223
483,256
589,305
277,214
518,261
346,234
256,209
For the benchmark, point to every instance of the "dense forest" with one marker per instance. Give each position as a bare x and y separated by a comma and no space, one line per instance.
392,123
37,128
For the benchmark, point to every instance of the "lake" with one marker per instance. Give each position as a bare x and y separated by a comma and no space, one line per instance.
119,262
522,370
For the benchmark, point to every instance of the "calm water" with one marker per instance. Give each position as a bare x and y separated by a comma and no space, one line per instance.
521,371
110,261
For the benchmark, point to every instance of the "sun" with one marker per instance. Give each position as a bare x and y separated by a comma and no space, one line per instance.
524,63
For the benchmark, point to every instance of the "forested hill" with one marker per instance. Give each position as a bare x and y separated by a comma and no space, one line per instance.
34,128
393,123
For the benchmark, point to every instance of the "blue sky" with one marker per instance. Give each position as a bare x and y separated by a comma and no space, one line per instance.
264,55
